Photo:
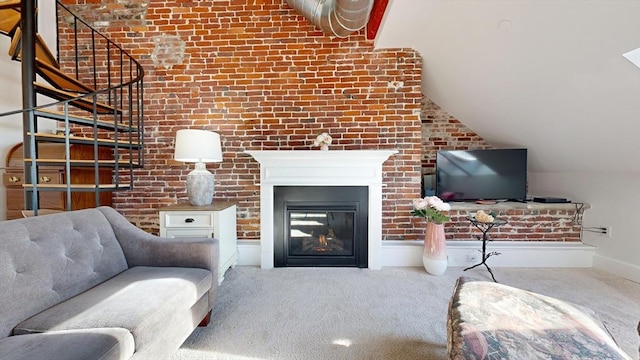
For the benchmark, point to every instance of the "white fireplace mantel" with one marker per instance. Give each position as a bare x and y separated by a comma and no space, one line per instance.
321,168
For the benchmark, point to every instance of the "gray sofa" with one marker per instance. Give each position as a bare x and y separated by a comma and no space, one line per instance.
88,284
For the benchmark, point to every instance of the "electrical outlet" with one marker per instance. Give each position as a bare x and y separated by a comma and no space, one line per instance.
603,231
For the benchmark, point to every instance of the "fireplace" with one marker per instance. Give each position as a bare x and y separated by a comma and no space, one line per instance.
320,226
321,168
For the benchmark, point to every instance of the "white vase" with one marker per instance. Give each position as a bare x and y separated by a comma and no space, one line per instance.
433,266
434,256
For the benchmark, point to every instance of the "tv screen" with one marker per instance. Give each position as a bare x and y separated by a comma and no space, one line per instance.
489,174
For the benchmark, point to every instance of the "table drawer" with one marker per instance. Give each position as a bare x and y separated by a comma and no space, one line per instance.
189,233
176,219
17,178
48,200
12,179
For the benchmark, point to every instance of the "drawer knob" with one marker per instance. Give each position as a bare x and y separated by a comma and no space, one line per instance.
45,179
189,220
14,179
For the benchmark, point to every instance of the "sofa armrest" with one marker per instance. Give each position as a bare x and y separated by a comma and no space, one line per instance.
143,249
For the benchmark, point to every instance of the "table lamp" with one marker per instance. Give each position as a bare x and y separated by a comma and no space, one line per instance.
200,147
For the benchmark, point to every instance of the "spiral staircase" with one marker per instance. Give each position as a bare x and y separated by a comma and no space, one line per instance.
94,94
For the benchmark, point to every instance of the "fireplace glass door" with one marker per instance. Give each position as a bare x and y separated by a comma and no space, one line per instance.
315,232
320,226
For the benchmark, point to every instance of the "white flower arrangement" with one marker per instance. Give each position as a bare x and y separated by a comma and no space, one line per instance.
323,139
431,208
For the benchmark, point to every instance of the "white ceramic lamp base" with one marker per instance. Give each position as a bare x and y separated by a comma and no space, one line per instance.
200,186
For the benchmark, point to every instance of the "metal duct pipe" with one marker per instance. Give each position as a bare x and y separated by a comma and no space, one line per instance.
337,17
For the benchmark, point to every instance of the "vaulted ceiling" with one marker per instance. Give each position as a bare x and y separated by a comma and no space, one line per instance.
546,75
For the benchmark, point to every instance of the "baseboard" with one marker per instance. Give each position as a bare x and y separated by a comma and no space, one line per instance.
512,254
466,253
248,252
616,267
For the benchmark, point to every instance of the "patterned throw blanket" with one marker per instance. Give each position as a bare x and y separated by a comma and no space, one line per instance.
487,320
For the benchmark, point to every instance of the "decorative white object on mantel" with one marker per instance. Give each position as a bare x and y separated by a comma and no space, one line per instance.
323,140
321,168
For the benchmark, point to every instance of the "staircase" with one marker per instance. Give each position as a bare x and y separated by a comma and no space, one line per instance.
94,92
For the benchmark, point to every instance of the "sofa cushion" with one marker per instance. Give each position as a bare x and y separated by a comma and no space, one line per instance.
488,320
48,259
84,344
141,299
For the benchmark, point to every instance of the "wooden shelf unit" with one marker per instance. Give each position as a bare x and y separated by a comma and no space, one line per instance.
52,179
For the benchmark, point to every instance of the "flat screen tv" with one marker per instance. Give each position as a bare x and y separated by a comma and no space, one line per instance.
488,174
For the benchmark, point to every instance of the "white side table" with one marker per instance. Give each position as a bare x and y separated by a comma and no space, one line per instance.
217,220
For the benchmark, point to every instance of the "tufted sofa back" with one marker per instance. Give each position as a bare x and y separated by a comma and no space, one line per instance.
48,259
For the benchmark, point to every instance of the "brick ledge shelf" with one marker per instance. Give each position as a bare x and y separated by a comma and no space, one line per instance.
515,205
528,221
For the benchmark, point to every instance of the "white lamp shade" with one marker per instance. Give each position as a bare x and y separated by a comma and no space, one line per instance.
197,146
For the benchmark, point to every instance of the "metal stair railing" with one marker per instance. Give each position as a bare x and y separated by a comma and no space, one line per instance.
118,78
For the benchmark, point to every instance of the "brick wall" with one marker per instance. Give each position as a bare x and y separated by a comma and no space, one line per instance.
441,131
522,225
264,78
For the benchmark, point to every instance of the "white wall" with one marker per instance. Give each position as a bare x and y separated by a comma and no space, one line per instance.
615,202
11,91
548,76
545,75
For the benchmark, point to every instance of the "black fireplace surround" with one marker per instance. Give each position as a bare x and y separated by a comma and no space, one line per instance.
321,226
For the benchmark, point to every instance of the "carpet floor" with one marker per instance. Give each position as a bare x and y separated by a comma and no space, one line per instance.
391,314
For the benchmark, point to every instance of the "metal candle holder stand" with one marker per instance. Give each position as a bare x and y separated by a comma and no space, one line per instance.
484,227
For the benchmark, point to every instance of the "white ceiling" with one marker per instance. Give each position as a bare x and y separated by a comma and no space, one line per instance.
546,75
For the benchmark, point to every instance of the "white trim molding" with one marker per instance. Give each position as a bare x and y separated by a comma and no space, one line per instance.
616,267
512,253
462,253
321,168
248,252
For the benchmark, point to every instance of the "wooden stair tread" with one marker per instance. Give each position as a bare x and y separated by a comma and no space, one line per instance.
9,4
81,103
84,140
14,48
109,125
9,19
59,79
42,50
86,187
80,162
